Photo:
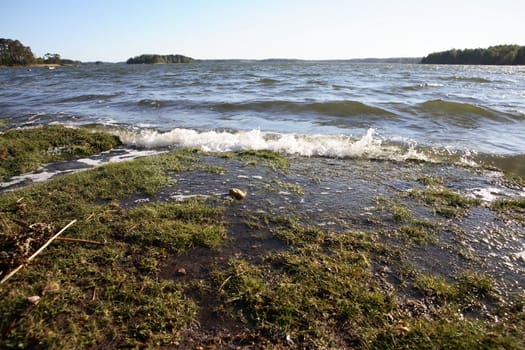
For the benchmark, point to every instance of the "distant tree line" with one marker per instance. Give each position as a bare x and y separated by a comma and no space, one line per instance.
14,53
494,55
153,59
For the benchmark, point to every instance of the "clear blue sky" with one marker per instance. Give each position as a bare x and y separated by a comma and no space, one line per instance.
114,30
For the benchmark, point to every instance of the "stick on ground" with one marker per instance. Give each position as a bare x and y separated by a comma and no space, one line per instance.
11,274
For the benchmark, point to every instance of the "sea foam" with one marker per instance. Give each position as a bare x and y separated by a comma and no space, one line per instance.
337,146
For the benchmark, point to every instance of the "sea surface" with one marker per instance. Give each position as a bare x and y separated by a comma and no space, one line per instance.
453,114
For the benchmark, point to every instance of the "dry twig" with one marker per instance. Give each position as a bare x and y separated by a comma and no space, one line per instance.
11,274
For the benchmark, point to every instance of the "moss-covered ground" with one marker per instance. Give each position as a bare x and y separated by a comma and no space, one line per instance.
24,150
333,256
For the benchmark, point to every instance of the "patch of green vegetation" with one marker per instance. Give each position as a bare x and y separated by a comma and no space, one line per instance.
401,214
322,293
278,186
105,295
464,293
435,287
514,208
512,179
430,180
415,232
24,150
444,201
271,159
313,291
448,328
474,285
3,124
84,304
175,227
452,333
412,229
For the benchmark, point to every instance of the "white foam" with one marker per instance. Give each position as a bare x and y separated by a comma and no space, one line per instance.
132,154
488,194
340,146
43,175
33,177
90,162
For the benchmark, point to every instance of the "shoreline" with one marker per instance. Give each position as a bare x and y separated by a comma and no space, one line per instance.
42,65
339,253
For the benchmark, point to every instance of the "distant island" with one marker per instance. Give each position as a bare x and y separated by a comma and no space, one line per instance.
494,55
159,59
14,53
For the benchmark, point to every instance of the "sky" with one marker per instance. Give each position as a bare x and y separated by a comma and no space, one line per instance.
114,30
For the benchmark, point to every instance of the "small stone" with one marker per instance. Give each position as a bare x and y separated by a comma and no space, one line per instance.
237,193
34,299
181,271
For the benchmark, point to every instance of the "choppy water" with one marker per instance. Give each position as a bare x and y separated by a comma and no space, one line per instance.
473,114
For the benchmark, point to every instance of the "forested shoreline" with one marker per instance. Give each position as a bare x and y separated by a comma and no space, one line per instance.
159,59
494,55
14,53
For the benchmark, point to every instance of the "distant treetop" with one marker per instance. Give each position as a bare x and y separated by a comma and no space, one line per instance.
494,55
151,59
14,53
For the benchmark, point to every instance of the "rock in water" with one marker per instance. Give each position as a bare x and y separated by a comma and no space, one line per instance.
237,193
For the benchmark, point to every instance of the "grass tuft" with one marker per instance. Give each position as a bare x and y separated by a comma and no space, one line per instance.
25,150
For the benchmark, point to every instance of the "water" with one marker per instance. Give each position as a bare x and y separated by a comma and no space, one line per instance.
470,114
350,114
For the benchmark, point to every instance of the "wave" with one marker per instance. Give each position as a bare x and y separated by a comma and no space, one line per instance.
368,146
509,163
88,97
470,112
155,103
467,79
329,108
337,146
268,81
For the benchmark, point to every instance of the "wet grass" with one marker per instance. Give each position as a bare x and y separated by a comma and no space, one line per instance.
307,287
409,227
101,295
270,159
513,208
24,150
323,292
444,201
309,294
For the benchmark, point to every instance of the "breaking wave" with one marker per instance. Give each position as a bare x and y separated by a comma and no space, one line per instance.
338,146
368,146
